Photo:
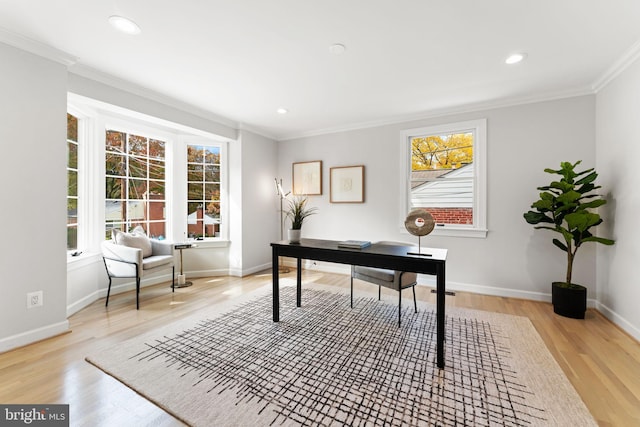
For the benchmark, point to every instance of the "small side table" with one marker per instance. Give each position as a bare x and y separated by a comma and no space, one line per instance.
181,276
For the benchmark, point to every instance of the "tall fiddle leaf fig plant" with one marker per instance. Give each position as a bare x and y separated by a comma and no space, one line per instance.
565,206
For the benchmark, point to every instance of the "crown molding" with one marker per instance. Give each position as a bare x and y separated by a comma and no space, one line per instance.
462,109
628,58
124,85
37,48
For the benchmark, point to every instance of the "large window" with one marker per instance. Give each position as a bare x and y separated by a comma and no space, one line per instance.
445,170
203,191
72,182
135,183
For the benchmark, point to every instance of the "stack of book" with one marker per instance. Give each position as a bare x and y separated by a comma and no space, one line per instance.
354,244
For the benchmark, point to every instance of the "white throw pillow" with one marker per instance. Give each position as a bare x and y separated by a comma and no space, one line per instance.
135,239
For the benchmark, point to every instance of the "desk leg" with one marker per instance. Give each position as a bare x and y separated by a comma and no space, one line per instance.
440,314
276,285
299,283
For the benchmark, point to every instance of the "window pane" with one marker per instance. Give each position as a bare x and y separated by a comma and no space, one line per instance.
212,173
72,211
136,211
115,141
156,211
156,148
72,128
72,155
157,230
72,183
213,210
195,172
137,167
442,176
195,154
195,191
72,238
156,190
114,188
137,188
115,164
212,155
137,146
156,169
212,192
114,212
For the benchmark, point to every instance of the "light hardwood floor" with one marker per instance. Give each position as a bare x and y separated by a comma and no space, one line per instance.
600,360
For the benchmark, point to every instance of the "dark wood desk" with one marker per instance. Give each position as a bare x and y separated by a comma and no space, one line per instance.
377,255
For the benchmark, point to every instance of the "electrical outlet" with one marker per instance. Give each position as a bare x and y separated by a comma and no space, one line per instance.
34,299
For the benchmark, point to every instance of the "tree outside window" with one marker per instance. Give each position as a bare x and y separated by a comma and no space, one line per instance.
72,182
135,183
203,191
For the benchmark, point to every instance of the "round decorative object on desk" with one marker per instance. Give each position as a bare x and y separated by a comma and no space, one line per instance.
419,222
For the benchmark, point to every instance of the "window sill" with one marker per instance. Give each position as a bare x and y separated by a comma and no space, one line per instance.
82,260
213,243
452,231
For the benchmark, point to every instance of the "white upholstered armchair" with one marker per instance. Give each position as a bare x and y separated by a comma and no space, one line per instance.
133,255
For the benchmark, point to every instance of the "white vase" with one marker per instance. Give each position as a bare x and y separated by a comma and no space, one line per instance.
294,235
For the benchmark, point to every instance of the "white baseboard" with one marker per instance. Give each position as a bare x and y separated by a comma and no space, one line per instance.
32,336
618,320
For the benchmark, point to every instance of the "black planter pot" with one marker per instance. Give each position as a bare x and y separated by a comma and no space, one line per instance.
569,299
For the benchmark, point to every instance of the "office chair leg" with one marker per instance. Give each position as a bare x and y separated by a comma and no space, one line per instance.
415,304
352,292
399,305
108,292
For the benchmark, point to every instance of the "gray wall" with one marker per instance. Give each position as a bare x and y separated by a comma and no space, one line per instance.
33,174
618,151
521,141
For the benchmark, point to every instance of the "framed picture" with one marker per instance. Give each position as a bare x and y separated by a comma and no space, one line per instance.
307,178
347,184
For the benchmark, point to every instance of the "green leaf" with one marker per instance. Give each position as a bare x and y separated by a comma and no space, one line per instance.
543,205
536,217
599,240
587,179
582,220
561,245
569,197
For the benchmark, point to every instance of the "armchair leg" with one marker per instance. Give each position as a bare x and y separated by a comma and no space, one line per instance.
351,291
379,292
137,293
415,304
173,278
108,292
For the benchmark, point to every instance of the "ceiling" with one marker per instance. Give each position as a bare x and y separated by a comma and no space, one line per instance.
241,60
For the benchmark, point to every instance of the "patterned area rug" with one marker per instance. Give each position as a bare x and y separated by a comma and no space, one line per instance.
326,364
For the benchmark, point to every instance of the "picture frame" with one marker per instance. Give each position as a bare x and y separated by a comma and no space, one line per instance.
307,178
346,184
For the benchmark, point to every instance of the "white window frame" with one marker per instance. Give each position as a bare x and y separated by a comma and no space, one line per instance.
96,117
479,129
132,128
224,205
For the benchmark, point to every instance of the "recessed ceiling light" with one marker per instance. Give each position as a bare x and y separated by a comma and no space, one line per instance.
282,111
337,49
124,25
515,58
